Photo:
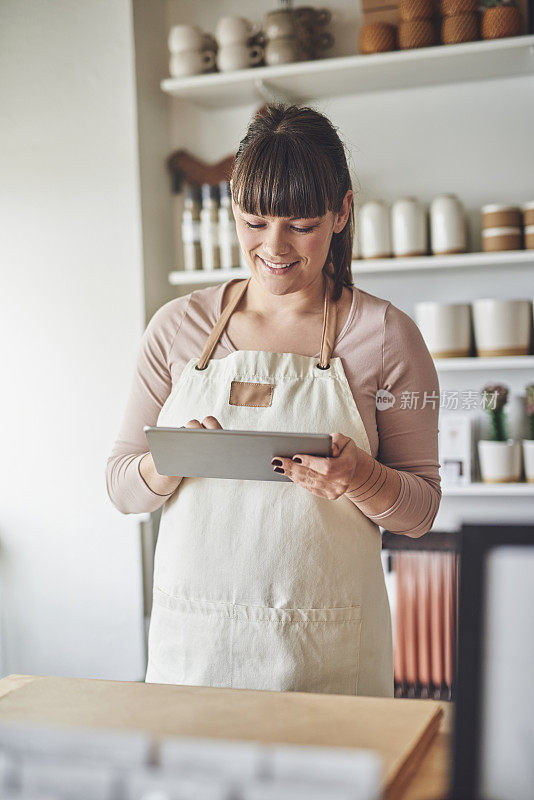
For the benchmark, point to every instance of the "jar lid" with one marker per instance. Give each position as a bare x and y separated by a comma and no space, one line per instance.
491,209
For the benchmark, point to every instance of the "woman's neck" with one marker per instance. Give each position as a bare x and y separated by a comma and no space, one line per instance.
303,302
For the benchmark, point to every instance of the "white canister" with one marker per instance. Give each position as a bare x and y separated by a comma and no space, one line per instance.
408,228
445,327
500,462
375,235
528,459
502,327
447,225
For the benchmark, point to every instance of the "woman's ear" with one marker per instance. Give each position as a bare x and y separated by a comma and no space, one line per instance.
343,214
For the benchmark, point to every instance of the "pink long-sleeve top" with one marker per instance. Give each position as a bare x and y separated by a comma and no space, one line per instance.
380,347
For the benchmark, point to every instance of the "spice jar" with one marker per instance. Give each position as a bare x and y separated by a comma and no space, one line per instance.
209,227
191,228
228,241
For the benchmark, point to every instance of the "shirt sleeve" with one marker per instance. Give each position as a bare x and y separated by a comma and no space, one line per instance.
150,387
408,427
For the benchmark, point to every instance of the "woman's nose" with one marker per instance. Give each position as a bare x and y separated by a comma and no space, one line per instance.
276,244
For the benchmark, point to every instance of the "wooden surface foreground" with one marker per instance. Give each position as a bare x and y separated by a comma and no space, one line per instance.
412,735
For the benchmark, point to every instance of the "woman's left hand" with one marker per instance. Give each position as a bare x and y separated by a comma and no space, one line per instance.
324,476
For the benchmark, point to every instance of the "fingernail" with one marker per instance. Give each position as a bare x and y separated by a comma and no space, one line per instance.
297,460
279,469
277,462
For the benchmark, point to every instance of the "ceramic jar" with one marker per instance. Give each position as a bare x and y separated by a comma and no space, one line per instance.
191,62
375,236
445,327
502,327
447,225
408,228
500,462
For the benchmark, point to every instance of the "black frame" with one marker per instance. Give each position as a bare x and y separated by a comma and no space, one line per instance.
475,543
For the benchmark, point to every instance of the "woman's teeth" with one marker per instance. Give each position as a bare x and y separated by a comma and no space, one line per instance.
276,266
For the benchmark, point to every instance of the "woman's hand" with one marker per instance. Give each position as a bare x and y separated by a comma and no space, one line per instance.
207,422
328,477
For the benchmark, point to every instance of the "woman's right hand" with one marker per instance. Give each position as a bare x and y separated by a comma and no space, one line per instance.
166,484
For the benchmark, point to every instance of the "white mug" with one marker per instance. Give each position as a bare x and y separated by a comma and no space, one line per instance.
238,56
502,327
445,327
408,228
447,225
191,62
375,237
189,37
235,30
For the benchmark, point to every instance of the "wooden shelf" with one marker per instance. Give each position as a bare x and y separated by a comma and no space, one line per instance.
483,363
361,267
349,75
493,489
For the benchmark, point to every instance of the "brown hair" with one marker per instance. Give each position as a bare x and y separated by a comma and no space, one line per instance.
292,163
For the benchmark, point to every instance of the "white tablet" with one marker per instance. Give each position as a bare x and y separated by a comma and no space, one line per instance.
241,455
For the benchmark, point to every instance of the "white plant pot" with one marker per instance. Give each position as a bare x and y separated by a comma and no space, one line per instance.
500,462
528,459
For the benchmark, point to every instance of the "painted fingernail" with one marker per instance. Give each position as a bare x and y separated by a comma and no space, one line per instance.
297,460
279,469
277,462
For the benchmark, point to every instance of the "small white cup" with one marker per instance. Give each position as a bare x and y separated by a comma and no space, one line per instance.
375,236
191,62
408,228
189,37
502,327
235,30
445,327
238,56
281,51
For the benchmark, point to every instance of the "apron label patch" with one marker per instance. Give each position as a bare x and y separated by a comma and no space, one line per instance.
243,393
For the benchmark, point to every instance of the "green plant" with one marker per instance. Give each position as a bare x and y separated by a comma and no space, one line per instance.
495,397
529,407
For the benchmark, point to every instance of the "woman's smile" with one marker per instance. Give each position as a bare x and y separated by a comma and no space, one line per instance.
275,267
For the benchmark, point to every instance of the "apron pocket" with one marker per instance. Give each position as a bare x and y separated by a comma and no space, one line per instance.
297,650
199,643
189,642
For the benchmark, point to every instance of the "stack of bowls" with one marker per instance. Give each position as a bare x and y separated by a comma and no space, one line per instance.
237,48
501,228
192,51
282,45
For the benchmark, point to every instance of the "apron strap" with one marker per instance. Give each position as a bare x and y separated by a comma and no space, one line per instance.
327,338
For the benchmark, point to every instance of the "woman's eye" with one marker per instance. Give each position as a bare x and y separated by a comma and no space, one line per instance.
297,230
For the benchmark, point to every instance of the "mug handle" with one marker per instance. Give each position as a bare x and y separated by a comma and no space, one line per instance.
322,16
255,55
324,41
208,60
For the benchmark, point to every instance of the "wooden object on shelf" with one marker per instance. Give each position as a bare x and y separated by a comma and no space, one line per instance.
387,15
500,22
460,28
416,33
416,9
378,37
184,166
400,730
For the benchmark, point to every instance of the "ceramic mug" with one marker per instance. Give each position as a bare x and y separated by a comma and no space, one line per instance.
189,37
312,17
238,56
375,235
408,228
445,327
191,62
279,24
281,51
447,225
502,327
235,30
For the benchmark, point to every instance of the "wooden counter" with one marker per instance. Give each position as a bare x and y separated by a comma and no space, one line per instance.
415,757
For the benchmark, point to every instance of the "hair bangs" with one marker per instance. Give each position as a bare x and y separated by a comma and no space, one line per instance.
281,177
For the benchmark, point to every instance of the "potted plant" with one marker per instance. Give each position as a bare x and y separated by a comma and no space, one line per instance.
500,18
528,444
499,457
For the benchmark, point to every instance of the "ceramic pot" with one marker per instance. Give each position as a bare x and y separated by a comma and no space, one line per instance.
408,228
502,327
445,327
528,459
375,235
500,462
447,225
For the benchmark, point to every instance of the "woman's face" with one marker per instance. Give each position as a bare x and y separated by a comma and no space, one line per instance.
283,252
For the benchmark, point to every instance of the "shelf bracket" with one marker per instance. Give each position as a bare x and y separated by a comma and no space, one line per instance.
270,93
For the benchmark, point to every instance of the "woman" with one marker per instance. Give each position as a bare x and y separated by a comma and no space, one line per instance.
263,584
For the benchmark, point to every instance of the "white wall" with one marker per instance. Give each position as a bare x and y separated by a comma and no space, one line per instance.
71,314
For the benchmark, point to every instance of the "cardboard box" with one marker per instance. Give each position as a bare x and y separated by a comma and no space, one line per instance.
455,445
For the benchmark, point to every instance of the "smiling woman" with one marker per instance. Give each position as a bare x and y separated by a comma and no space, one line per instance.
279,585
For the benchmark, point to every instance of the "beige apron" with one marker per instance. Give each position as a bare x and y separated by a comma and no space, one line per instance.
262,584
